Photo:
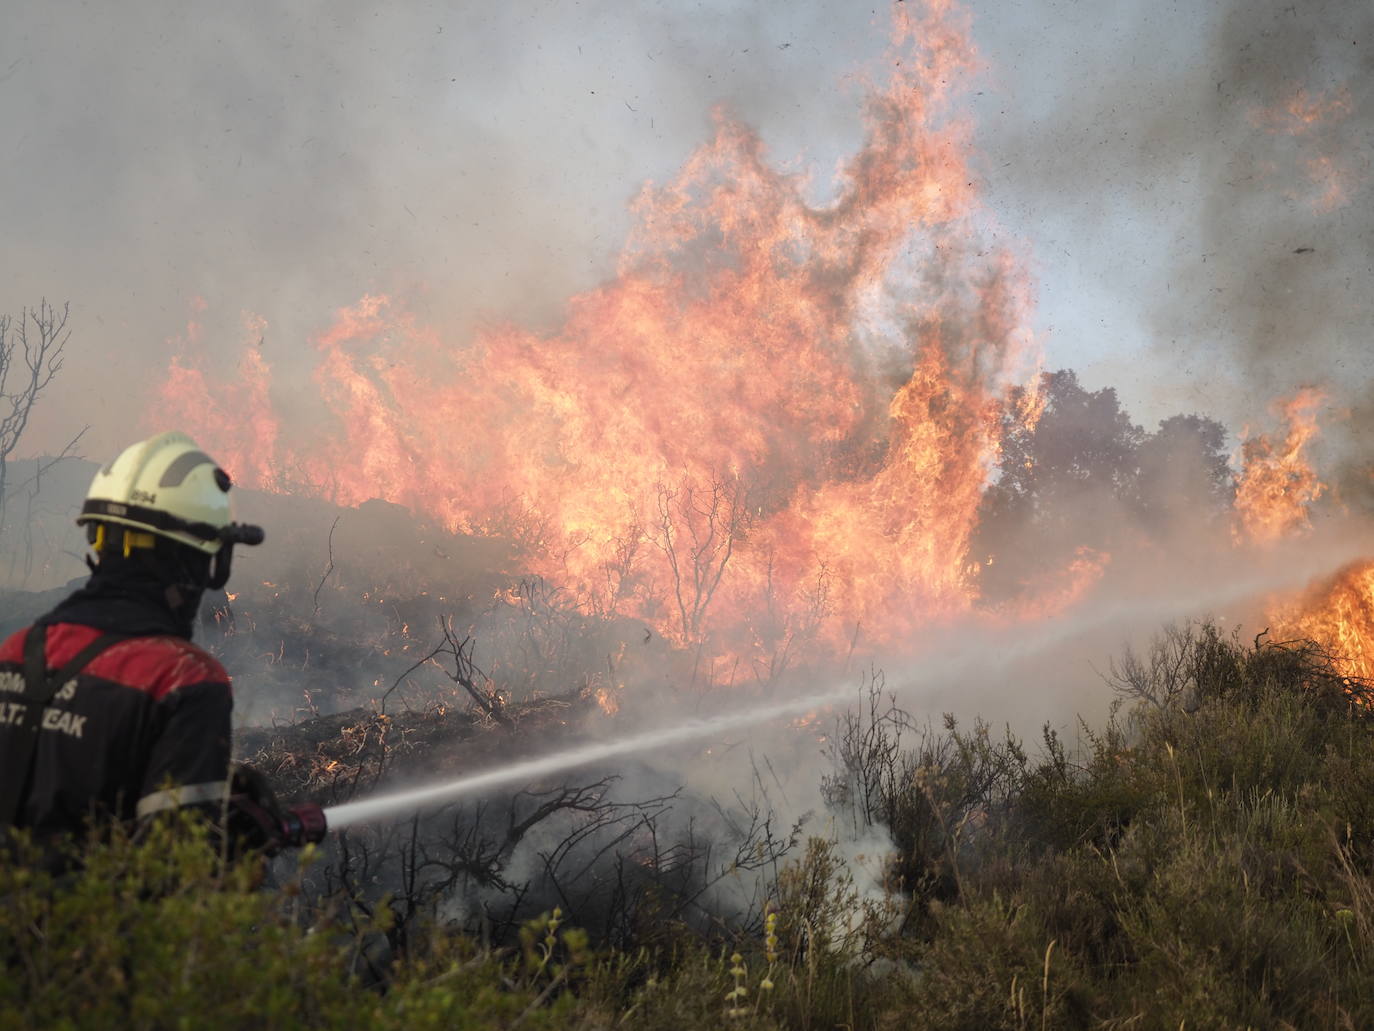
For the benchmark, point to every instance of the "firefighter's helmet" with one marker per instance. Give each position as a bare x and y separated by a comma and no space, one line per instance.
166,487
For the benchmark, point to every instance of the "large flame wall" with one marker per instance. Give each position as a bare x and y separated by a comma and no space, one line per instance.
773,424
777,417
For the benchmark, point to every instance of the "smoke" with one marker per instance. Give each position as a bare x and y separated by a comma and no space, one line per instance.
481,163
1198,244
1286,209
478,162
725,760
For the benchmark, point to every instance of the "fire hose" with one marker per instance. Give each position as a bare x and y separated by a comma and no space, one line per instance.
256,818
303,824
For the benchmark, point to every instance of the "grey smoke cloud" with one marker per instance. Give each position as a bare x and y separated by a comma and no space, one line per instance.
479,159
1181,238
1286,217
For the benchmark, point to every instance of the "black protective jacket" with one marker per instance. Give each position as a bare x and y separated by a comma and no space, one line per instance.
144,726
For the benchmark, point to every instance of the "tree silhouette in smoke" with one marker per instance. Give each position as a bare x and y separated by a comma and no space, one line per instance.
31,353
1085,477
1183,476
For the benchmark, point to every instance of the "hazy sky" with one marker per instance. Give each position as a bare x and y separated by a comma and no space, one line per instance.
285,159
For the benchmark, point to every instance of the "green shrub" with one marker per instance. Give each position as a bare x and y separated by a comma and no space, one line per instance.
159,933
1206,859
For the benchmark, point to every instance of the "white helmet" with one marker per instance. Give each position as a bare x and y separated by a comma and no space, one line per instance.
167,486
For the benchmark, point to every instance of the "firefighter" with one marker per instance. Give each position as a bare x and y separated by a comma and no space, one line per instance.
107,710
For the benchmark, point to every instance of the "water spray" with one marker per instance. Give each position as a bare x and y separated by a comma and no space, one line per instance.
1015,646
571,758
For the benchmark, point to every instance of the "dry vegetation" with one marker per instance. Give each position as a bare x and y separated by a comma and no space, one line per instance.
1206,859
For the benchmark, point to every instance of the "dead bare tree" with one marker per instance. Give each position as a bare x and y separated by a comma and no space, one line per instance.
1167,675
624,869
697,530
787,627
31,352
29,491
465,673
618,571
463,853
546,633
538,642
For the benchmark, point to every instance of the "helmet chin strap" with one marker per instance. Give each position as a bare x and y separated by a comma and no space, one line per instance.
185,581
234,533
222,567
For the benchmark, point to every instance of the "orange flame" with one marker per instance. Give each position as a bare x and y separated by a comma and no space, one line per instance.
1304,111
1277,482
236,415
1312,117
777,419
1339,615
607,700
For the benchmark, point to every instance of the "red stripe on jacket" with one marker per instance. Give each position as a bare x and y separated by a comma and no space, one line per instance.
156,666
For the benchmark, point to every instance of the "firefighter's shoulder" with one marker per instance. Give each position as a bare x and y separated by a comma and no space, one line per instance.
156,665
159,665
12,651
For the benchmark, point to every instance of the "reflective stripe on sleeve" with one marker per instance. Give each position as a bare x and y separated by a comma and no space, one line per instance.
188,794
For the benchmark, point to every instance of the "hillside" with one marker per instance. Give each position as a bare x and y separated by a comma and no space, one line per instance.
1206,859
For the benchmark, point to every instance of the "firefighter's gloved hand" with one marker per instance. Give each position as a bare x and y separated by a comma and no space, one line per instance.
254,821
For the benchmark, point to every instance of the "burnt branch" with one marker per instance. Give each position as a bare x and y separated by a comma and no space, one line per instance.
328,569
31,354
697,530
409,670
465,672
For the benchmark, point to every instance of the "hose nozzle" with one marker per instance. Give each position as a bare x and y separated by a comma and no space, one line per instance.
303,824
